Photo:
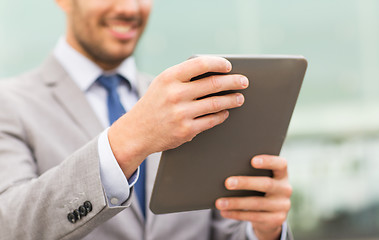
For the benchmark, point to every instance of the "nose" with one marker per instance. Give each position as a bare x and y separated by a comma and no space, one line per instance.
127,7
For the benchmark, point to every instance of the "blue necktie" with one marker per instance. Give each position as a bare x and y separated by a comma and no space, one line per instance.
116,110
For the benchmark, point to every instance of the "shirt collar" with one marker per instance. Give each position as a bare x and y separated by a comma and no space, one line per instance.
84,72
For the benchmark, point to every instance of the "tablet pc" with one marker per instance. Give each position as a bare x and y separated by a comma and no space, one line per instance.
192,176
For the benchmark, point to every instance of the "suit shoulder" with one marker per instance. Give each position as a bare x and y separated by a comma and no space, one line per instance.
22,90
22,81
47,73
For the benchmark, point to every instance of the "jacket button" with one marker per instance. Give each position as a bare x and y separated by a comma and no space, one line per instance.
77,214
71,218
88,206
82,211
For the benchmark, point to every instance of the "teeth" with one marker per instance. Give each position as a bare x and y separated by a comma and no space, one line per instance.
121,29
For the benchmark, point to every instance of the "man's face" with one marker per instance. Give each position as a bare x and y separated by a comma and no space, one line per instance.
106,31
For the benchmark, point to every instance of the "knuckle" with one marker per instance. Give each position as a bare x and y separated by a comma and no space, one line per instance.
268,183
215,104
184,132
288,190
284,163
186,129
189,139
175,96
281,217
215,82
287,205
237,80
179,72
165,76
202,63
179,115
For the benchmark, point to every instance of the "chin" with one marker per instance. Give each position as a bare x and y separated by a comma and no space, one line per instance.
111,60
122,52
122,56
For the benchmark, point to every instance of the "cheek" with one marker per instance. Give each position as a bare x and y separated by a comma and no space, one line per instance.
91,14
145,7
92,26
81,20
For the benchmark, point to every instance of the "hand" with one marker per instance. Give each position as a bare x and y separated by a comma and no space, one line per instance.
171,113
268,213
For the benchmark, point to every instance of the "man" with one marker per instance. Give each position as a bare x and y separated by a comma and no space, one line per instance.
60,179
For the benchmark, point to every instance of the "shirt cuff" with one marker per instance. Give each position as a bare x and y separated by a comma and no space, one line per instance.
115,184
251,235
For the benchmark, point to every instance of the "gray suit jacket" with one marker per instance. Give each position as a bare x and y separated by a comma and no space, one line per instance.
49,166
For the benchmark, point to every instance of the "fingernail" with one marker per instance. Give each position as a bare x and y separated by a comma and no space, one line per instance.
240,99
258,161
223,203
244,81
228,66
232,183
226,114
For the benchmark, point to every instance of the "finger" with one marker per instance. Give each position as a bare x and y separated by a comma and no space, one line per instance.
217,83
269,218
216,104
261,184
275,163
196,66
254,204
209,121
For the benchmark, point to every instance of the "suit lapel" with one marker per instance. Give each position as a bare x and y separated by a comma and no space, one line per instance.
70,97
137,209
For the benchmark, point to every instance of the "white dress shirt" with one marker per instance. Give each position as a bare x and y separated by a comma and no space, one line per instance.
84,73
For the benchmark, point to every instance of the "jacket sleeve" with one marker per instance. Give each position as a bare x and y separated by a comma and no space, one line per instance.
34,206
228,229
223,228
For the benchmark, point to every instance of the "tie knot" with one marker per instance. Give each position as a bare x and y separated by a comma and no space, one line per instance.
109,82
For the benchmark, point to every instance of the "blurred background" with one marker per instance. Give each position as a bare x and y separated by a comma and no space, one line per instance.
333,141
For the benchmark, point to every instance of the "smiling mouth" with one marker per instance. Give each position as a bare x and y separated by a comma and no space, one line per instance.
121,29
